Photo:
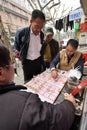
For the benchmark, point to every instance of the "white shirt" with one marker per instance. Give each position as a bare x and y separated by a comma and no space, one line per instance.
34,46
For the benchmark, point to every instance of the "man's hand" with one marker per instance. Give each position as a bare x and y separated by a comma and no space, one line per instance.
17,55
54,74
70,98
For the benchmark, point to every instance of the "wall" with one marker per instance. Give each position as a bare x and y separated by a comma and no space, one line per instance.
13,16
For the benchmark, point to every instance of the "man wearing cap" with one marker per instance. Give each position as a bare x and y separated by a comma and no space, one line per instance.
50,47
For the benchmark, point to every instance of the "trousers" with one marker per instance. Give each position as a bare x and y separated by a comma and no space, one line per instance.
31,68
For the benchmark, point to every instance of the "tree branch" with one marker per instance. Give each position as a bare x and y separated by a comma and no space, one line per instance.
31,4
55,5
47,4
39,4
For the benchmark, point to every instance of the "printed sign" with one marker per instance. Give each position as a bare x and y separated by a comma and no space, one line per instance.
75,15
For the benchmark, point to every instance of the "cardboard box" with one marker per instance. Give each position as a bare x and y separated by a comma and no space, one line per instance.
83,38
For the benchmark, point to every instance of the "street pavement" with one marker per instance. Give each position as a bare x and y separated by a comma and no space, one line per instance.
19,79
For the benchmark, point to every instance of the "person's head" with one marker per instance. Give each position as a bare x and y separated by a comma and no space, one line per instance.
37,21
49,34
71,47
6,66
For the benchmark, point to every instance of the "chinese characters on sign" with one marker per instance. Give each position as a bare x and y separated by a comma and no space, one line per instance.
75,15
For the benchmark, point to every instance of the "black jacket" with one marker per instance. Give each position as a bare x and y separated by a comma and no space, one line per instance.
22,40
20,110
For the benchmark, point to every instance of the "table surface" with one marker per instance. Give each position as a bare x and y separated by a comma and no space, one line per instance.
46,87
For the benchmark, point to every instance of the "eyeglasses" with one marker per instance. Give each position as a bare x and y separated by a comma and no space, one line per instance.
9,65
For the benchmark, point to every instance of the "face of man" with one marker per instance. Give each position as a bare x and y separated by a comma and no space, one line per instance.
49,37
37,25
70,50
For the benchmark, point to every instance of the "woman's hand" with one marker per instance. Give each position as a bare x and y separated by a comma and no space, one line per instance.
70,98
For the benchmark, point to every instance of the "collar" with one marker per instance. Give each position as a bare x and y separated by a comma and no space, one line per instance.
8,87
33,33
70,56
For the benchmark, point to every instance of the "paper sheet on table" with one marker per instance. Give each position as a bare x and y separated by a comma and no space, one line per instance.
46,87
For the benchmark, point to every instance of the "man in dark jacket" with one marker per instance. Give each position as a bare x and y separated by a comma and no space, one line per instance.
50,47
28,45
21,110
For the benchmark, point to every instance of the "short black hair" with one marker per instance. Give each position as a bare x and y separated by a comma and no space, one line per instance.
37,13
74,43
4,55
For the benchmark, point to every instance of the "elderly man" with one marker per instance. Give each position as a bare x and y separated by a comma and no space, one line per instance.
68,59
21,110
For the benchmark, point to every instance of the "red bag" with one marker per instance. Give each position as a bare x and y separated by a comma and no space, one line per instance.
83,27
79,87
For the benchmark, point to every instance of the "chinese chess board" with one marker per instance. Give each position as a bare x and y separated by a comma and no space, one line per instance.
46,87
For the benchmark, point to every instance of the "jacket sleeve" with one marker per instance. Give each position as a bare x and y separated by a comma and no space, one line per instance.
80,64
18,38
57,47
54,46
55,61
62,116
17,41
40,115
